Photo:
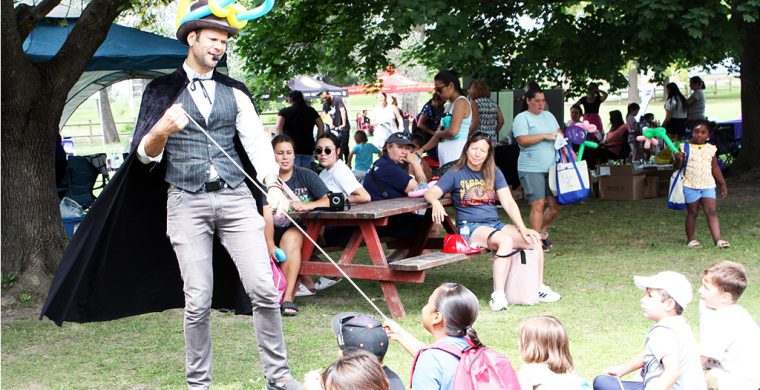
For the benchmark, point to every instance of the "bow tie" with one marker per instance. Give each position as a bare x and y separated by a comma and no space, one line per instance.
203,88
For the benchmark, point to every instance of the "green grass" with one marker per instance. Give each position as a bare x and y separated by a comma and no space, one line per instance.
599,246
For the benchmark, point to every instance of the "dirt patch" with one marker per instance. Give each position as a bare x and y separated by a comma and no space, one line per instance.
16,312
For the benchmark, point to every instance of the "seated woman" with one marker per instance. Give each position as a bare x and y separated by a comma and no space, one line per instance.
337,176
339,179
475,184
389,178
309,192
616,139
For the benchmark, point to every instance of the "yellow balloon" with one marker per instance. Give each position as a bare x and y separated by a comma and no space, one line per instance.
232,17
218,11
182,8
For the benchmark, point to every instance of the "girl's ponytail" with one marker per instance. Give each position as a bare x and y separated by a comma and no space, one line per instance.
473,336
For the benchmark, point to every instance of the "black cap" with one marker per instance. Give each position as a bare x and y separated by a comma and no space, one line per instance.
399,138
356,330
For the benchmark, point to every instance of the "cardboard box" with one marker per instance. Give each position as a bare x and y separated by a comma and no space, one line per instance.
622,187
652,184
663,179
618,170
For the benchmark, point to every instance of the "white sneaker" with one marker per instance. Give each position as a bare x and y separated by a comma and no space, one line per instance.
546,294
324,283
302,291
498,301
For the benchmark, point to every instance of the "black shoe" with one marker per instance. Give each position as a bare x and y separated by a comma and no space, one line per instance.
546,245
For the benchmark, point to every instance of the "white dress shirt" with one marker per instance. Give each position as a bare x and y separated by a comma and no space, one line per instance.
255,140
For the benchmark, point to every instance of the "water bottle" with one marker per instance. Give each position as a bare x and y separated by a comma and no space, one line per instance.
116,163
464,230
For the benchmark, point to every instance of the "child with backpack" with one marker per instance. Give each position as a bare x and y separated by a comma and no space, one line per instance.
456,352
545,350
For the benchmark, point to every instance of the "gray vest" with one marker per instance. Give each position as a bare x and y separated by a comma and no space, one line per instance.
189,154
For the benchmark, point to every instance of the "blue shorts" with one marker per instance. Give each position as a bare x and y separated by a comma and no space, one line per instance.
498,225
692,195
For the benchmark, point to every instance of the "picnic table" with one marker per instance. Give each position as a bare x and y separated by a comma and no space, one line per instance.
366,218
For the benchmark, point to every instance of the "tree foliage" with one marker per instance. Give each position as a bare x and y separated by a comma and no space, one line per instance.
571,42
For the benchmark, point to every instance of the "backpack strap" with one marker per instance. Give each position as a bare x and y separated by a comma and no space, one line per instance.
443,346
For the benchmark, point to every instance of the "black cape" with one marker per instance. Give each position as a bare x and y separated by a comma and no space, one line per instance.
120,262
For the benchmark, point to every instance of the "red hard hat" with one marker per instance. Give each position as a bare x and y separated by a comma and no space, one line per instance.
455,243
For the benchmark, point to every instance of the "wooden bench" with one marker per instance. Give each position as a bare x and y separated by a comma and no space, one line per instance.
427,261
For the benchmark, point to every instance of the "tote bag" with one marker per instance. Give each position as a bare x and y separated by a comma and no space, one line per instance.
568,179
676,199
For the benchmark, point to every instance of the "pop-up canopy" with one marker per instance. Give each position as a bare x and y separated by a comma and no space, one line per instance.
311,87
391,82
127,53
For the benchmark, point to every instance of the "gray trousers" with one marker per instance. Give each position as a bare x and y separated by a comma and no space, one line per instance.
192,220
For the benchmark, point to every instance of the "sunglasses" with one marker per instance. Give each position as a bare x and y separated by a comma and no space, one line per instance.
319,151
439,89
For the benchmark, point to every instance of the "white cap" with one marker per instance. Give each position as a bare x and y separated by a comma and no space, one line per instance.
674,283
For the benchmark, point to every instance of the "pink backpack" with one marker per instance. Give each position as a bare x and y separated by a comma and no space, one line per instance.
479,368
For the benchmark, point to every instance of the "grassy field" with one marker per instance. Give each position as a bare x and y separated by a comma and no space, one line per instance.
599,246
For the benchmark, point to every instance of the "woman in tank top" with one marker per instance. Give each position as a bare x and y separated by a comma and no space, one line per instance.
457,117
486,115
591,103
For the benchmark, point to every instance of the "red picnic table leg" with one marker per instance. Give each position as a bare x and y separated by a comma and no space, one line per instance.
377,255
313,227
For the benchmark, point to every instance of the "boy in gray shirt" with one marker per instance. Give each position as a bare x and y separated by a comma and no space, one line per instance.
670,358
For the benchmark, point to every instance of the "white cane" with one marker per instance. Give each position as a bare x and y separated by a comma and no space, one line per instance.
289,217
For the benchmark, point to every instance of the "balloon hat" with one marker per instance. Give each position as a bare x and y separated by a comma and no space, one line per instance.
224,15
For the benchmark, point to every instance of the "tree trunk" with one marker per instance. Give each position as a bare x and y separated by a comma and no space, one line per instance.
749,158
110,134
33,97
32,234
633,84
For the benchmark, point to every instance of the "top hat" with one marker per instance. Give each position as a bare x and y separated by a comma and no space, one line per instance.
209,21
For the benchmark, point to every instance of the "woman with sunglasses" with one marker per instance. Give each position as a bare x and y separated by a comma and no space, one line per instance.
475,184
452,135
309,192
339,179
337,175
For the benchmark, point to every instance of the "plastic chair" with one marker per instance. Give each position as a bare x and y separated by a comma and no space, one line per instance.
728,146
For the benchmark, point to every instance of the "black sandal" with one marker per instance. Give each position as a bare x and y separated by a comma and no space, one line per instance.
286,306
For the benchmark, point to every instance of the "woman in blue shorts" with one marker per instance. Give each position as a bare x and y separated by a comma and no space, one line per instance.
475,184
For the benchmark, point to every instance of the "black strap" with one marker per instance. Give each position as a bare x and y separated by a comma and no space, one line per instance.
514,252
203,89
378,183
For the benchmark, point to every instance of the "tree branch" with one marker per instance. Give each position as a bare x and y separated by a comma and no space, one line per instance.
27,16
87,35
